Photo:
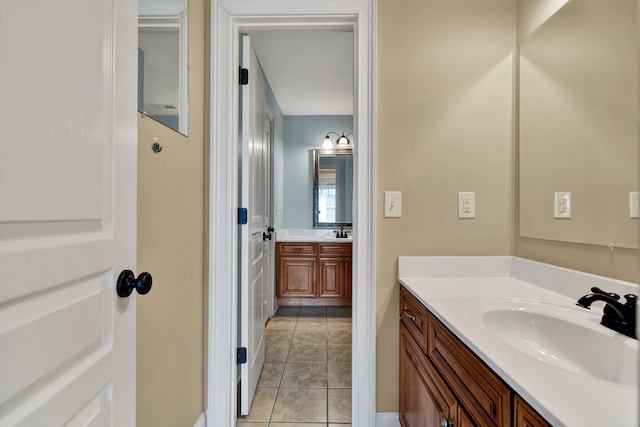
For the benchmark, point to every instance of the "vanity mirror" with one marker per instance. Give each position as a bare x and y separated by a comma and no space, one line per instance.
163,62
578,123
332,188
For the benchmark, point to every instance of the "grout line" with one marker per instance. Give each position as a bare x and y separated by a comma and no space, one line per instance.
326,344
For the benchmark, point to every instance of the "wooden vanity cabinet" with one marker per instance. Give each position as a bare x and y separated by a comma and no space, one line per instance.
486,397
525,416
480,397
424,398
313,273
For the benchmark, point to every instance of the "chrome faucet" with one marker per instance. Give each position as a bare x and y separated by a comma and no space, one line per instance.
617,316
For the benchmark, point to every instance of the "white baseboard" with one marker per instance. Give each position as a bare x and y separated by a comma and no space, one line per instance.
383,419
387,419
201,421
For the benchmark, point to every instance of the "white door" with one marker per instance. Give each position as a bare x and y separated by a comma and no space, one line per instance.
270,246
67,211
253,181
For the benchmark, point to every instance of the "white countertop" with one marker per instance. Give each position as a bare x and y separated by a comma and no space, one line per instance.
452,287
312,235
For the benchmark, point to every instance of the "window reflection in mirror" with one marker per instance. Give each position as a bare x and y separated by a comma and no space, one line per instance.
332,187
163,62
326,193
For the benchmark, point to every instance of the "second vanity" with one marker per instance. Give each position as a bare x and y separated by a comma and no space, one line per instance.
313,267
499,341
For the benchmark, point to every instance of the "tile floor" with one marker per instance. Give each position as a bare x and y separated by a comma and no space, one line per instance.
306,379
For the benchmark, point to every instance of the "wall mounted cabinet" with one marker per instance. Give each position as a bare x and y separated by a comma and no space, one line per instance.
311,273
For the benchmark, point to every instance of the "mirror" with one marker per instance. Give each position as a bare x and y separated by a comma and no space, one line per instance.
332,188
578,124
163,73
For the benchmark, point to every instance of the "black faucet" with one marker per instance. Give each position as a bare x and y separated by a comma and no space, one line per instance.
341,234
617,316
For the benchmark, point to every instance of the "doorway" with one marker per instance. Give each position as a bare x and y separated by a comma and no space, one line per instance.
228,19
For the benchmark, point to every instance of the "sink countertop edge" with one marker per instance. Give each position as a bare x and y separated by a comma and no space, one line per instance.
314,239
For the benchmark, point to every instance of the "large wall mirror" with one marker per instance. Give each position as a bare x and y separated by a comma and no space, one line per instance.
163,73
332,188
579,124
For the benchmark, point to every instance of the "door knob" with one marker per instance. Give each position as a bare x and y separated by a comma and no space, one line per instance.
266,236
270,229
127,282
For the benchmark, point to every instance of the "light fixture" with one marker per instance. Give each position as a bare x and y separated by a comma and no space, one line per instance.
342,141
327,143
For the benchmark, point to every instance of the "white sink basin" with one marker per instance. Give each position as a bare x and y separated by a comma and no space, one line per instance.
568,338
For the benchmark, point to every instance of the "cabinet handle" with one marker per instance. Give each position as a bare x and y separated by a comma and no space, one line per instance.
446,422
406,312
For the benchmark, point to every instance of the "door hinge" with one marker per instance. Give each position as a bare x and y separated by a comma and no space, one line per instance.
244,76
242,355
242,216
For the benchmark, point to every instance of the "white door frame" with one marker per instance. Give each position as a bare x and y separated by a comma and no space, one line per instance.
228,17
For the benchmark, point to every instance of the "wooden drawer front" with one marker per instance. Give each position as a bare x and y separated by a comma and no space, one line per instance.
525,416
485,396
334,249
297,249
414,317
424,397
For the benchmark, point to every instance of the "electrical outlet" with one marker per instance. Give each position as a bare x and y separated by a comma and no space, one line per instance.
562,205
466,204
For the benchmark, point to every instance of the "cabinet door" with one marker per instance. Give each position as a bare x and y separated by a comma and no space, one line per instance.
424,397
464,420
296,277
348,276
525,416
330,277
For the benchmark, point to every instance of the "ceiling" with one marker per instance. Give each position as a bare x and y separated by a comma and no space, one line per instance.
310,72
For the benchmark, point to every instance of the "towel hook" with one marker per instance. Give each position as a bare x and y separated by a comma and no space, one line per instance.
156,148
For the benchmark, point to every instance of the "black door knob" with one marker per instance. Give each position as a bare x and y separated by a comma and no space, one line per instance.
270,229
266,236
127,282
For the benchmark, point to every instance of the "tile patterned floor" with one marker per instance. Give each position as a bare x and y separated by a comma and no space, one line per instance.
306,378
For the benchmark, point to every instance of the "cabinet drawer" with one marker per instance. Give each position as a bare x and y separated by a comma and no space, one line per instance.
297,248
334,249
485,396
414,316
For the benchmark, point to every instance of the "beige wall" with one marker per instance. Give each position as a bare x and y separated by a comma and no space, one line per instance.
445,124
170,350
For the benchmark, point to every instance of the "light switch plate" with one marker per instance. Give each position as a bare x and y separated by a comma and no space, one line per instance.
634,204
562,205
392,204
